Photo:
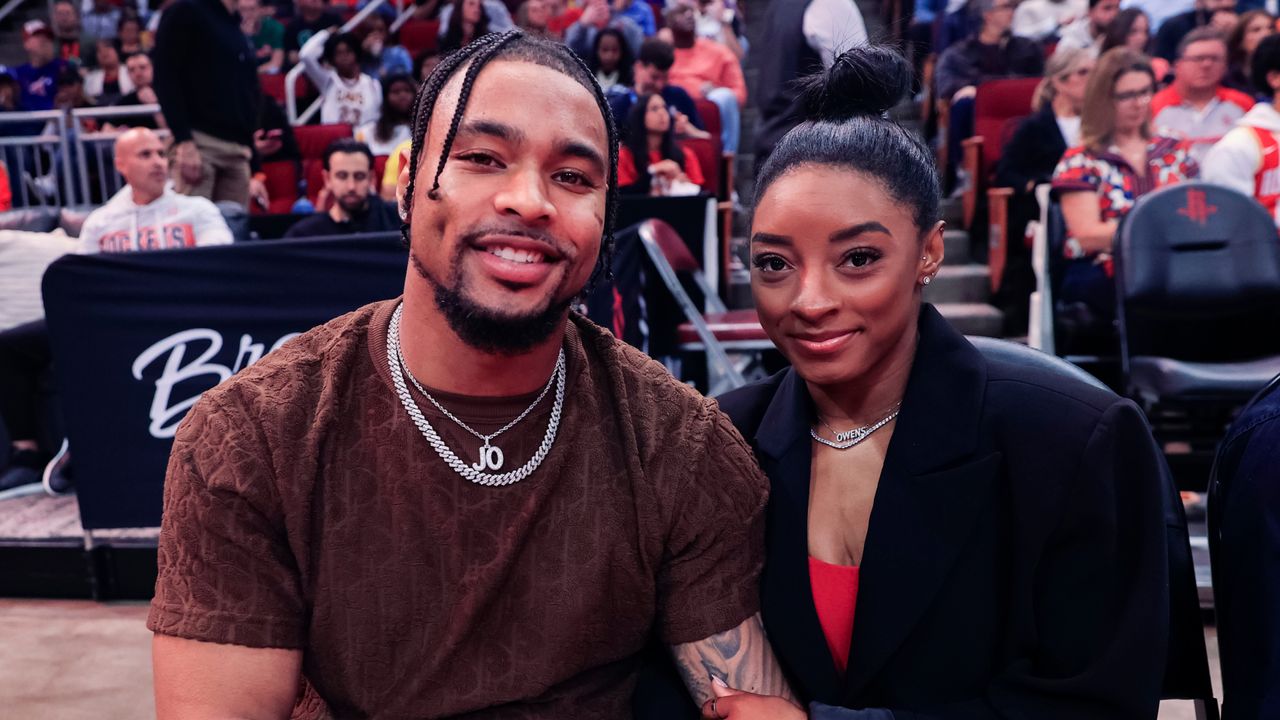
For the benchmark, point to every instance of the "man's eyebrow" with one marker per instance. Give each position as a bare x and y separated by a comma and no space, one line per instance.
582,151
498,130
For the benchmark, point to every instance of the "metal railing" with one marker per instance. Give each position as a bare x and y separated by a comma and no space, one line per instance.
53,162
33,152
291,78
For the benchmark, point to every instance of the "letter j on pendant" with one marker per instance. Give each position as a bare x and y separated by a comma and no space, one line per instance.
490,458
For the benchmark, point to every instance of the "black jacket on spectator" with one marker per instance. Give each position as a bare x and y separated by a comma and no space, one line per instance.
1016,561
790,58
970,62
271,117
206,75
144,120
381,217
1176,28
1246,573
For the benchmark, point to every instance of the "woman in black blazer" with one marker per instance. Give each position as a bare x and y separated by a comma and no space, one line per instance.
1028,159
1005,522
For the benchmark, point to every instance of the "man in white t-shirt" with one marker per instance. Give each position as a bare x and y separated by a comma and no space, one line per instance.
347,95
1043,19
146,214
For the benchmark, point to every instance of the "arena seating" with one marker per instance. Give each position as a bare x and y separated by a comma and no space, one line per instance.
312,142
282,187
997,109
419,36
273,86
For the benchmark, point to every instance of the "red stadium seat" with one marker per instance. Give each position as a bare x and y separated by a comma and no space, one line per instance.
708,154
379,166
419,36
273,86
710,116
997,108
312,141
282,187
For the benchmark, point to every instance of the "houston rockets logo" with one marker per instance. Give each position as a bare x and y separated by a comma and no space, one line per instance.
1198,209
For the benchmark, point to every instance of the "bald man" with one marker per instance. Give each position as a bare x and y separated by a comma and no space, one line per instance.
146,214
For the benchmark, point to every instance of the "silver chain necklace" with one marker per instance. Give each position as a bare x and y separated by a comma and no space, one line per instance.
849,438
490,456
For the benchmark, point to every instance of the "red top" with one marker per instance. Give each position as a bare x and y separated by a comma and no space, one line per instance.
835,596
628,174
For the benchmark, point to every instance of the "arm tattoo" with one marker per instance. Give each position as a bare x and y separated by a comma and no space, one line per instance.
741,657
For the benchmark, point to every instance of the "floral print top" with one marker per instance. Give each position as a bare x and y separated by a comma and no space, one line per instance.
1117,183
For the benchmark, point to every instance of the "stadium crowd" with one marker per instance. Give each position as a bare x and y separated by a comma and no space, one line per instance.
1126,98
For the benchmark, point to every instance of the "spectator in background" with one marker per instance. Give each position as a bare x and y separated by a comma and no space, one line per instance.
638,12
392,126
990,53
1247,159
207,84
265,33
383,57
103,21
596,16
424,64
67,33
1028,160
651,71
1196,107
273,141
38,77
129,37
145,214
1098,182
1088,31
562,16
722,24
142,76
1243,40
468,21
708,70
312,17
348,180
1159,10
611,60
108,82
1132,29
651,161
1044,19
532,16
1218,13
348,96
803,37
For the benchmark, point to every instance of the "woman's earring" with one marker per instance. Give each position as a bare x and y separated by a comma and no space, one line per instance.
926,280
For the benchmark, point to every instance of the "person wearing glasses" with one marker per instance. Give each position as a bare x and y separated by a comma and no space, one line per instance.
1197,107
1098,182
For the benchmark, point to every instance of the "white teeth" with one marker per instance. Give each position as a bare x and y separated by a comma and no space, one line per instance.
514,255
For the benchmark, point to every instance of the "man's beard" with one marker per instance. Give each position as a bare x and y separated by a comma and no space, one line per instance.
356,207
481,327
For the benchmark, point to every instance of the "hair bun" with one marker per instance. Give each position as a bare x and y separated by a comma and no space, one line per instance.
864,81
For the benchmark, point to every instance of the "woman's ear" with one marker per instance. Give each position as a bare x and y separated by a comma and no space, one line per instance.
932,251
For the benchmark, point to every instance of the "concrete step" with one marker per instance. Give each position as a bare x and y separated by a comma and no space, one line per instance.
953,212
973,318
959,284
956,247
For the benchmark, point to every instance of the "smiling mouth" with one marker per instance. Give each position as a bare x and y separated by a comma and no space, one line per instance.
515,255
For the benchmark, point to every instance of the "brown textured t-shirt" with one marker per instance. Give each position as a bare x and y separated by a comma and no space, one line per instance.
304,509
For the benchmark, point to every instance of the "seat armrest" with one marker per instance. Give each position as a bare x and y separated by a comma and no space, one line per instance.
972,159
997,233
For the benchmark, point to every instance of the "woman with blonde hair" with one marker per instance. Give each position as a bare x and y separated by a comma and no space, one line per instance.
1028,160
1118,161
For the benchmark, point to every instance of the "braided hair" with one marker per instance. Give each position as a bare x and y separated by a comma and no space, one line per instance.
516,45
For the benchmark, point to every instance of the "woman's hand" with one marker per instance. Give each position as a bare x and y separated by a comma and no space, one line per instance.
667,169
730,704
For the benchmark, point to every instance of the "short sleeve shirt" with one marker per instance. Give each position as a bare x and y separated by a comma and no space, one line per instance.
270,34
1117,184
304,509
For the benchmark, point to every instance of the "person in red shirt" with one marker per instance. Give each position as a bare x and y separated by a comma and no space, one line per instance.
1196,107
707,70
650,134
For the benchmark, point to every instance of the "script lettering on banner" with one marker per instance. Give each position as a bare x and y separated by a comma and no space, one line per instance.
170,402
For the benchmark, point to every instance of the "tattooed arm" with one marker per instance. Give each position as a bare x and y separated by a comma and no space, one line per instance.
741,657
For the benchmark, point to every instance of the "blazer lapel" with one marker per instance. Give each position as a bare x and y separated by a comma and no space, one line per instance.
931,493
782,441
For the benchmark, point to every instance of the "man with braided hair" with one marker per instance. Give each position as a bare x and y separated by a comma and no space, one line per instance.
466,501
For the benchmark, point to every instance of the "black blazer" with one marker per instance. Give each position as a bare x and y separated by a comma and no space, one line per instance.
1032,152
1015,564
